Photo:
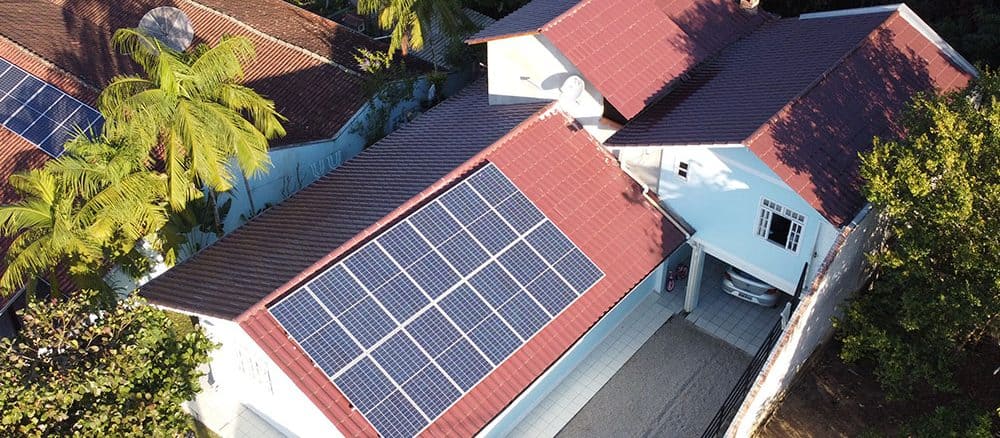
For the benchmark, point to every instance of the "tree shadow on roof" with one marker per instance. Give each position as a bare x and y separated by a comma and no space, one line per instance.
817,140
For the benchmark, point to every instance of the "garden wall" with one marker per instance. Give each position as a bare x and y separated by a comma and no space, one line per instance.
843,272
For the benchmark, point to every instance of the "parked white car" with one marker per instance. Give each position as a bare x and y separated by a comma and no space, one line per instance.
749,288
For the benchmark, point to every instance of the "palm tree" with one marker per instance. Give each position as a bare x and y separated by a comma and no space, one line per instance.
84,210
191,113
409,19
44,228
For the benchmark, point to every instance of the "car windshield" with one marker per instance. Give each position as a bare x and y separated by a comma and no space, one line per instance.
741,273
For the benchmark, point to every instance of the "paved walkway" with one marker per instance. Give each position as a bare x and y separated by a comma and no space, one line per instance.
572,393
671,387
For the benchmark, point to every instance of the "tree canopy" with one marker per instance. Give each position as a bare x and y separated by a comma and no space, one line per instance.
169,136
89,366
937,285
410,21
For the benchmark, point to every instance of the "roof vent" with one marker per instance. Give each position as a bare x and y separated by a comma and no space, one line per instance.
751,6
169,25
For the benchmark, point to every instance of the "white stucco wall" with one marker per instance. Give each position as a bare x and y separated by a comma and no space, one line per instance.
843,273
721,199
530,68
241,372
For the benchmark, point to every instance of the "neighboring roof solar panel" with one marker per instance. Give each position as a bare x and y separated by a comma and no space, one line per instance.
409,322
40,113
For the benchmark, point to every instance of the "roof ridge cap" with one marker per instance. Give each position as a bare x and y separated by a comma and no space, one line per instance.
46,62
392,216
273,38
565,14
821,78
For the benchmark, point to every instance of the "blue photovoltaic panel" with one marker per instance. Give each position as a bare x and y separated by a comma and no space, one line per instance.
400,350
40,113
432,391
412,320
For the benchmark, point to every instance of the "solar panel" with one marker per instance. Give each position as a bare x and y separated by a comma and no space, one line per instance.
409,322
42,114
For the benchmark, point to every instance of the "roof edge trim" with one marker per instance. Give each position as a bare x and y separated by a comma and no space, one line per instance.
852,11
393,215
911,17
473,41
921,26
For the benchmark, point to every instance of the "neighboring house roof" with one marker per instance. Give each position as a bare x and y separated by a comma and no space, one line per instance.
437,44
807,95
304,62
554,162
631,51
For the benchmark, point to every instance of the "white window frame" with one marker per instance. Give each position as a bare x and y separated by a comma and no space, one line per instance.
768,209
682,166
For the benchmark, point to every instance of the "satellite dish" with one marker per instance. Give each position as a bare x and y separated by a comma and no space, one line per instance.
169,25
571,89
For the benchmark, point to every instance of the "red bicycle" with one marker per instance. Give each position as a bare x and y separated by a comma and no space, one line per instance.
680,272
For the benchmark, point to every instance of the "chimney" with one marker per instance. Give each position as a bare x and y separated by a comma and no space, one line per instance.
750,6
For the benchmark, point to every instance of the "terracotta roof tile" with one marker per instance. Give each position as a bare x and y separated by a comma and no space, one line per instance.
294,50
527,19
634,240
806,95
229,277
631,51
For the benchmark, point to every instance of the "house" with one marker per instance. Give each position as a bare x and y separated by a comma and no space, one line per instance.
758,149
305,63
452,277
441,277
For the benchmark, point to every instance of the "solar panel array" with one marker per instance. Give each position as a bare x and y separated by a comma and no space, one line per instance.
408,323
40,113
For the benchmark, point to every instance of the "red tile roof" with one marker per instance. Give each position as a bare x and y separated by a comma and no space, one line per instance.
231,276
632,51
579,186
304,62
806,95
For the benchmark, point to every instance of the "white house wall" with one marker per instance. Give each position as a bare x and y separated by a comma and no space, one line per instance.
297,166
530,68
242,372
721,199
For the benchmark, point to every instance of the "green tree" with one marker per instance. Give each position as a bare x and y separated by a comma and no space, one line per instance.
46,230
89,366
191,112
937,289
409,21
85,210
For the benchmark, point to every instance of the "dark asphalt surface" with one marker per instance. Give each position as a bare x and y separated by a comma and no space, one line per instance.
671,387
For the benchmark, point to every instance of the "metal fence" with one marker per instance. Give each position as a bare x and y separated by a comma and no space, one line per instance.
728,410
717,427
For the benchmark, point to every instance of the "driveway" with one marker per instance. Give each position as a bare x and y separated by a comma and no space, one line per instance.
671,387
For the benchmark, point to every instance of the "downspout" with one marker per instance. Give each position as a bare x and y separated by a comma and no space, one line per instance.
655,201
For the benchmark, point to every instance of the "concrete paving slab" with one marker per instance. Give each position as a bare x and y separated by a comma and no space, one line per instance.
671,387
